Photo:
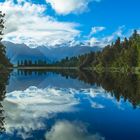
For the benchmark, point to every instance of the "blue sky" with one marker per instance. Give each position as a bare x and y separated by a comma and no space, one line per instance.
95,22
108,13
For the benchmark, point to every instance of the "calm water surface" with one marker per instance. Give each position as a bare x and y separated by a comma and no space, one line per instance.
69,105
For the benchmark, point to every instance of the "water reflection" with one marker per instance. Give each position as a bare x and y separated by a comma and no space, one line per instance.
65,130
24,109
126,85
76,105
4,76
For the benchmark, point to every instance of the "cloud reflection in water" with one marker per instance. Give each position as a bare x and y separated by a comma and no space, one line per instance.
24,110
65,130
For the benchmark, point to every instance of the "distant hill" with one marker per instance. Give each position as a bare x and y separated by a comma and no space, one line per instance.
21,52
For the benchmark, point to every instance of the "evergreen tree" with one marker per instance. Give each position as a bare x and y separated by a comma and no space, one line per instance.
18,63
25,62
4,61
121,54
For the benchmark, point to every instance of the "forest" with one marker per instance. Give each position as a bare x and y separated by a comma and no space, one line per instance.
30,63
120,54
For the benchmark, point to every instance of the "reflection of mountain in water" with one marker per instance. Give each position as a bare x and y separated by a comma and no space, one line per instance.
118,84
45,103
33,105
126,85
25,78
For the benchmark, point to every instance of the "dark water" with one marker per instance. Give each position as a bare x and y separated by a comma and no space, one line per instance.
69,105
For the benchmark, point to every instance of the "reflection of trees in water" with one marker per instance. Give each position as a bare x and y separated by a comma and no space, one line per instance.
118,84
4,76
124,85
29,72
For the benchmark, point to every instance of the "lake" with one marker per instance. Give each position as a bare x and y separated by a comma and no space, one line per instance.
69,105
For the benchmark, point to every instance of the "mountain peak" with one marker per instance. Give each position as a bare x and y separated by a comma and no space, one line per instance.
21,52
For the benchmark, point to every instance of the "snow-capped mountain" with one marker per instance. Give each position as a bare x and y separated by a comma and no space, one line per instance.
17,52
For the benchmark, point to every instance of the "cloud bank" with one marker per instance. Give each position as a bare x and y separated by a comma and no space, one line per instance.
27,23
30,24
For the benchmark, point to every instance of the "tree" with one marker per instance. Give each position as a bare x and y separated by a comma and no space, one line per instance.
25,62
30,62
18,63
2,48
35,63
118,42
135,34
1,24
21,63
121,54
125,43
4,61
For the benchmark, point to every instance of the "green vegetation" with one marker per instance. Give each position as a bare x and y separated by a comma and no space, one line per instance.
121,56
4,73
124,55
4,79
4,61
120,85
30,63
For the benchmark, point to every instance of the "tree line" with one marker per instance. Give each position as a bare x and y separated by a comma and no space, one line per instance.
120,54
125,53
119,85
32,63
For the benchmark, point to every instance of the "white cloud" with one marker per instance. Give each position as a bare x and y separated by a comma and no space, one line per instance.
96,105
31,105
65,7
106,40
27,23
65,130
95,30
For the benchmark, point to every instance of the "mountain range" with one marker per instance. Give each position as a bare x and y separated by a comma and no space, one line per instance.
20,52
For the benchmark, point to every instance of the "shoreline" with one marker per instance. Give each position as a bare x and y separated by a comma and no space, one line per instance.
135,70
49,68
96,69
